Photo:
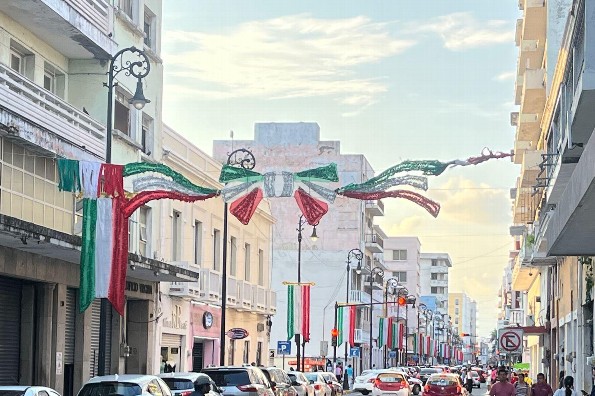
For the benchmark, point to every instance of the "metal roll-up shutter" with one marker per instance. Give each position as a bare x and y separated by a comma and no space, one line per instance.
171,340
95,325
70,326
10,331
108,338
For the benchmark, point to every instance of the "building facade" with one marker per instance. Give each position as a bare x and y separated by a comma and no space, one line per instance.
349,224
463,313
433,273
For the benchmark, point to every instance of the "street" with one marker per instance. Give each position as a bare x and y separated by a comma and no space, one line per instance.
483,390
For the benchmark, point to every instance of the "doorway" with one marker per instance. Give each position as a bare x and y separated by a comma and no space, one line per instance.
197,357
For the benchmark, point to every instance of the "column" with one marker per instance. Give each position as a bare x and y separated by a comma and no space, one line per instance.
44,353
82,348
58,336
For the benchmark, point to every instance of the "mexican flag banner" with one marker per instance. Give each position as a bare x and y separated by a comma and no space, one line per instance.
298,311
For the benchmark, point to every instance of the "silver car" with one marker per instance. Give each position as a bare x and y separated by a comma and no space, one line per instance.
240,380
300,383
182,384
321,388
125,384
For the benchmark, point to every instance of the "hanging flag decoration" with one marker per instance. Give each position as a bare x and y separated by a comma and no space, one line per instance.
383,332
245,187
298,311
352,312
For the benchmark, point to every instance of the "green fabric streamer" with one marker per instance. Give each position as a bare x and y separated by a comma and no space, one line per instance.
290,312
322,173
428,168
230,173
87,271
140,167
68,173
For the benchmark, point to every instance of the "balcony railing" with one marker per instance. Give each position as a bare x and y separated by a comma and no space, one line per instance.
21,96
359,296
271,306
210,285
375,207
97,12
361,336
374,243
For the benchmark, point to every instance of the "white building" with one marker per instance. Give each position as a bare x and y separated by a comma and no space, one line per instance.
433,273
349,224
463,312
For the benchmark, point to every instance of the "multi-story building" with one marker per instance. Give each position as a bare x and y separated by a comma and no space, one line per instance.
191,237
433,274
53,62
463,313
349,224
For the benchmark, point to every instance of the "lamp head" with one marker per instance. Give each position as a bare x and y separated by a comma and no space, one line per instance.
358,270
314,237
138,100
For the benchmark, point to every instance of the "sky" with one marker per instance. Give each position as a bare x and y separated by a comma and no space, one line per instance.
390,79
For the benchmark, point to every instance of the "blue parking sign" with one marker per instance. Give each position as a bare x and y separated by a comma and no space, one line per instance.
354,352
392,354
283,347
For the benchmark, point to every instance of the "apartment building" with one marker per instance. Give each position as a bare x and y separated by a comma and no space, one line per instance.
54,56
191,237
349,224
433,273
463,313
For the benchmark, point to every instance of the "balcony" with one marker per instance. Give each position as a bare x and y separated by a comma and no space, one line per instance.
79,29
190,290
375,208
523,275
246,295
359,297
439,282
43,119
210,286
525,204
374,243
234,292
271,305
361,336
261,298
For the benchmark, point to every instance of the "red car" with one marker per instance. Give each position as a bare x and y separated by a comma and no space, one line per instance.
444,384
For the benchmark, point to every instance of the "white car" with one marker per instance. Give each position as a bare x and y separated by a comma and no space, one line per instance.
321,388
391,383
364,382
18,390
126,385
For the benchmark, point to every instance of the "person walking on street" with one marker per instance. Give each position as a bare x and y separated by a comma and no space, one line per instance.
339,371
561,380
568,389
349,372
521,387
541,387
502,387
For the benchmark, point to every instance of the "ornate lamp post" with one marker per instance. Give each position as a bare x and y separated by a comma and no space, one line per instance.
376,271
421,309
409,300
244,159
138,67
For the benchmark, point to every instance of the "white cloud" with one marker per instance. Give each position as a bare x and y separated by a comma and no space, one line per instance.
286,57
461,31
505,76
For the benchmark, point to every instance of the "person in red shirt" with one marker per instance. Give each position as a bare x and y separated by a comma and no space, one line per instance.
502,387
541,387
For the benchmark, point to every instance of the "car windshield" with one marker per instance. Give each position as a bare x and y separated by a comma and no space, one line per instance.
229,377
178,383
441,381
111,389
9,392
312,377
390,377
429,371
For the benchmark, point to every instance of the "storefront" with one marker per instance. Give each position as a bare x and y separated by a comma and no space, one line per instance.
204,343
174,331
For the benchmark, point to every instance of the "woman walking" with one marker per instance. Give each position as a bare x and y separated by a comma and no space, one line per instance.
521,387
568,389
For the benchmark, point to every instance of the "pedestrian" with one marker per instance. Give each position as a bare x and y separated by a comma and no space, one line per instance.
541,387
329,366
202,386
349,372
469,381
502,387
561,380
339,371
568,389
522,388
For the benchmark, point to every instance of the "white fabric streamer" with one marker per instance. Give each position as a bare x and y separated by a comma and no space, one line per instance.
89,176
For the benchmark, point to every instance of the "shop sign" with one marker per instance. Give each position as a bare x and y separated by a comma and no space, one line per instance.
176,319
237,333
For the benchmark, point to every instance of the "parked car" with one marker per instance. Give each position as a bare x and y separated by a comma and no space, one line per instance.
300,383
444,384
336,386
240,381
426,372
182,384
280,381
321,388
391,383
364,382
27,391
125,385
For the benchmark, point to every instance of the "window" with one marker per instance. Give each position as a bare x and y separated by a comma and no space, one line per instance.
176,236
434,276
456,311
434,263
22,60
146,138
260,267
246,356
216,250
127,7
149,28
259,353
53,80
247,262
401,276
197,242
400,254
231,352
456,320
456,301
122,113
233,253
143,227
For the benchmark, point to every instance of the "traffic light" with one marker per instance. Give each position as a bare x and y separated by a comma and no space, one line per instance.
465,334
402,301
334,335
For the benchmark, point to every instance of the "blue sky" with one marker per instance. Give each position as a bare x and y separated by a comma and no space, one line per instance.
394,80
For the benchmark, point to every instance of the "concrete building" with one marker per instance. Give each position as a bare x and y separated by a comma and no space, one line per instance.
433,274
191,237
53,63
349,224
463,313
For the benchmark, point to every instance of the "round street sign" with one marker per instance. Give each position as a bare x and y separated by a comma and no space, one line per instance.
510,341
237,333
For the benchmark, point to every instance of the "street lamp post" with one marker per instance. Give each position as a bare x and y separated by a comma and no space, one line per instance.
410,299
244,159
376,271
358,255
394,284
301,222
421,308
139,68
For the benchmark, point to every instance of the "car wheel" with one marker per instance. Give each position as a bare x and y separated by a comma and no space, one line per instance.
416,389
365,392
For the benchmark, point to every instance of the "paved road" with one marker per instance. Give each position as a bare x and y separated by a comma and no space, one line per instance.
483,390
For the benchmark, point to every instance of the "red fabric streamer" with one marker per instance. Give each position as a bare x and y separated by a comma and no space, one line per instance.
352,325
111,181
119,258
401,334
142,198
487,154
313,209
432,207
306,312
389,336
243,208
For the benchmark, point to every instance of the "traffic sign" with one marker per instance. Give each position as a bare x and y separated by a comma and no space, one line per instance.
354,352
283,347
511,340
392,354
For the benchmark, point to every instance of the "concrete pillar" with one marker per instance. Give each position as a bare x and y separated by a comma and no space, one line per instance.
117,363
82,348
137,323
27,334
58,337
44,356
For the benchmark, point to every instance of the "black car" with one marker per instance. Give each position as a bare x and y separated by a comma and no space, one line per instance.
425,373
